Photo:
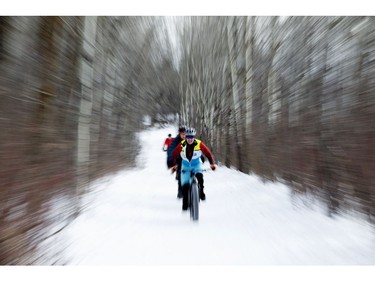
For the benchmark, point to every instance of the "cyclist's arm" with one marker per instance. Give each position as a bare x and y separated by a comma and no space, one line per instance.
175,153
170,149
207,152
165,145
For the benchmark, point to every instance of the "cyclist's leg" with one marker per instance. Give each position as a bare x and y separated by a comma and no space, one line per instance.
199,175
185,182
178,162
179,191
178,175
200,180
185,197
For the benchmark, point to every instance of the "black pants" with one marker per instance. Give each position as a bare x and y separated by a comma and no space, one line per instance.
200,180
185,196
178,175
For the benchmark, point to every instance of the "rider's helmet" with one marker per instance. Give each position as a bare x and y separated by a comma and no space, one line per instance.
169,135
182,129
190,132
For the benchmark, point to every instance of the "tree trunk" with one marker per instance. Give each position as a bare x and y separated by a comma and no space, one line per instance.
235,93
84,121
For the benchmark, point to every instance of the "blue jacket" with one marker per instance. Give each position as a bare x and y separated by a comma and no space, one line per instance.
171,147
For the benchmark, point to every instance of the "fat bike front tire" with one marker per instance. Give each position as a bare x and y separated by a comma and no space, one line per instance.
194,202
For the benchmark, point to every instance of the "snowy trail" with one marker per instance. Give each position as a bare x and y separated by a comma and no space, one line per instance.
136,219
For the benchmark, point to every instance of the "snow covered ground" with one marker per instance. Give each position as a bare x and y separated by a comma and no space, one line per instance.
135,218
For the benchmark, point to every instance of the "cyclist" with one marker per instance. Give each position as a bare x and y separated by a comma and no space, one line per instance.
180,137
167,142
190,150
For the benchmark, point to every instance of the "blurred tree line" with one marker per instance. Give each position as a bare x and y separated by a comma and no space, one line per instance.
287,98
73,94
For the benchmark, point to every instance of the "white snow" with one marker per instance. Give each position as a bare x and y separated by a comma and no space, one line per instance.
135,218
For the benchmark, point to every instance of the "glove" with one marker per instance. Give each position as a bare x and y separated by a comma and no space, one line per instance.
213,167
174,168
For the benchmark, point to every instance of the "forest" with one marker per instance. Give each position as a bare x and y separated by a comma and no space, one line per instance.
289,99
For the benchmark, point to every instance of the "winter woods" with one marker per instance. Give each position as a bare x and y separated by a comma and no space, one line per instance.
74,91
287,98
